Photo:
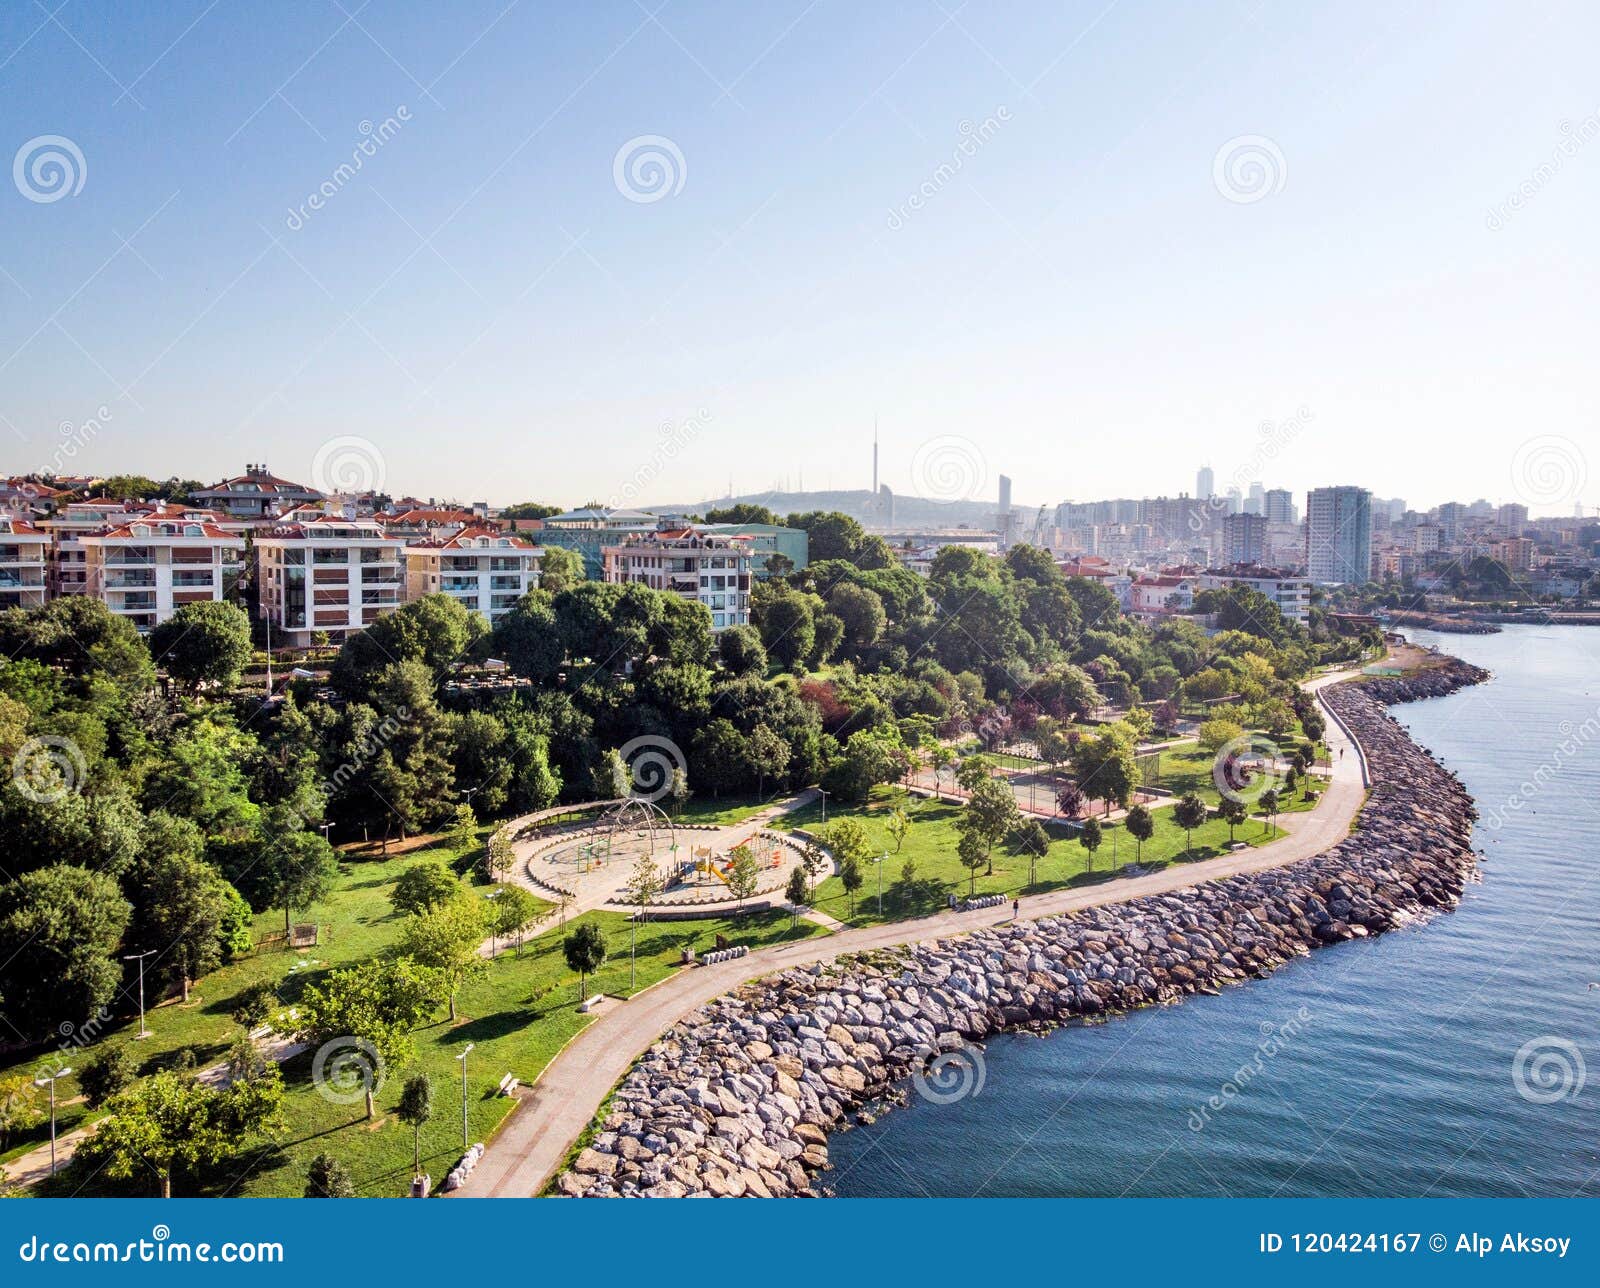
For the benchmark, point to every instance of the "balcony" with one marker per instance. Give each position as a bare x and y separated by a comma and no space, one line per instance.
459,585
505,583
130,580
193,580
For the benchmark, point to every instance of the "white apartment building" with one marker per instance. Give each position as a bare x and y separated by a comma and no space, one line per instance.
486,569
327,574
69,570
152,565
24,551
708,567
1291,594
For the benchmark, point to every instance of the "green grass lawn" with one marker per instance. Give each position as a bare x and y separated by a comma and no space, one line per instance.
932,844
724,812
518,1015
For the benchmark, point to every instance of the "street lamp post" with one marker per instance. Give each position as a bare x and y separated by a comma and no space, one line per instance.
463,1058
823,792
879,861
494,935
139,957
51,1080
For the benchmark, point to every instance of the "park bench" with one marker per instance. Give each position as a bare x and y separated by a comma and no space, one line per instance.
508,1085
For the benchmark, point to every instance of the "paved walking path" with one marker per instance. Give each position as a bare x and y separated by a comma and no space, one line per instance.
554,1110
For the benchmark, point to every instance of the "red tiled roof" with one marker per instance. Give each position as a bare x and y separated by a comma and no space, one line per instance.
464,538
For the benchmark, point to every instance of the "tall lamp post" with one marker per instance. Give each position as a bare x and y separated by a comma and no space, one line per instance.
879,863
463,1058
139,957
50,1079
823,792
494,940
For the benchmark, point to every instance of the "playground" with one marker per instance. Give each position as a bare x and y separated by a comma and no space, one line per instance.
588,856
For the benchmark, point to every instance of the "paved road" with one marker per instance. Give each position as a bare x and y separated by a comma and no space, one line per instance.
523,1156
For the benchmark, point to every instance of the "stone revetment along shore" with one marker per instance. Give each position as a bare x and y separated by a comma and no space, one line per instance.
739,1097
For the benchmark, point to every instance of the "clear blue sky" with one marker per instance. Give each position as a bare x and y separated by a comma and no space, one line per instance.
1080,298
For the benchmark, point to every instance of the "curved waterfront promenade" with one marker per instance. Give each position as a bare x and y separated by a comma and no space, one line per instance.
523,1156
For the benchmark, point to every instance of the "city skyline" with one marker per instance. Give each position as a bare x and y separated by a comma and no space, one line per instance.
271,236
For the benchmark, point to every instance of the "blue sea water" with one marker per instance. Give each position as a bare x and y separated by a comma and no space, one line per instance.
1392,1067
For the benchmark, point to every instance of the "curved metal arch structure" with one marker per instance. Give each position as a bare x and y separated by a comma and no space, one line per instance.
637,815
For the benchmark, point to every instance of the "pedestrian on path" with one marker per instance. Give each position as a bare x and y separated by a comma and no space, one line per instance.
1016,909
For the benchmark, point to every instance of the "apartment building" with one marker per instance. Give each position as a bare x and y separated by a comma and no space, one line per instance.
1161,595
24,551
1291,594
258,493
1339,535
147,568
327,574
484,568
703,566
69,570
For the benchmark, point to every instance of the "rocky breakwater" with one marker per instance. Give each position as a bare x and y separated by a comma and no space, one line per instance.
1430,682
739,1097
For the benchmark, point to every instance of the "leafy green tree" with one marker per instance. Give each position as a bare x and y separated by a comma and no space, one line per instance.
1031,839
432,631
446,940
415,1110
1269,805
1189,813
1090,837
798,893
789,629
585,953
285,865
744,873
1217,733
170,1122
861,613
424,886
60,928
741,652
253,1005
1233,813
499,856
204,643
743,512
898,826
201,775
20,1109
1107,766
328,1178
990,815
769,754
1141,825
851,879
560,569
376,1002
973,853
528,638
463,834
179,903
104,1074
512,911
678,790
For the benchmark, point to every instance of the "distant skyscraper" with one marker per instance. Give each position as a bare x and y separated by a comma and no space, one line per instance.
1338,534
1513,518
1205,483
1257,503
1002,518
1244,539
1279,507
1235,501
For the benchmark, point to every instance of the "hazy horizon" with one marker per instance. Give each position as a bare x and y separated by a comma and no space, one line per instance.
1092,247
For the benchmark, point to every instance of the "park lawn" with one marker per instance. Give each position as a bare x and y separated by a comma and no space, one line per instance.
518,1015
720,813
932,839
